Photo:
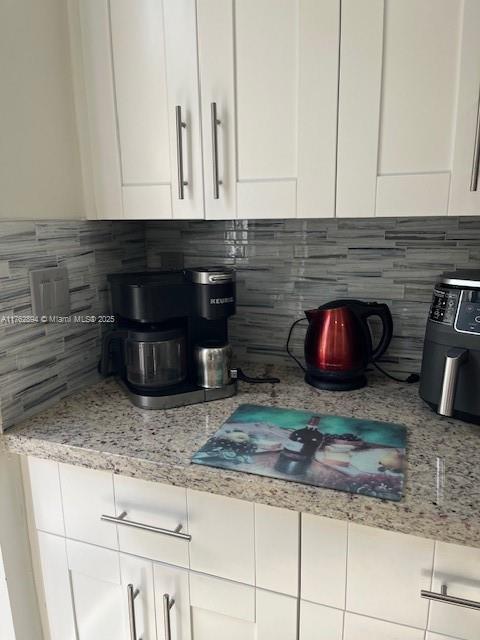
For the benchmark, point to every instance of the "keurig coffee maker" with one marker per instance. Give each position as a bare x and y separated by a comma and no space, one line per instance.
168,324
450,377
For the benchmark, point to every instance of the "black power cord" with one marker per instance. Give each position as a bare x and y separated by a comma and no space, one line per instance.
412,378
294,357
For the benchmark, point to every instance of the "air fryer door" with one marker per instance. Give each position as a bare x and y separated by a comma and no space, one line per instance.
451,390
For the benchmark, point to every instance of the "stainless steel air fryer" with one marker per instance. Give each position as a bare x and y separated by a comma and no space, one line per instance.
450,377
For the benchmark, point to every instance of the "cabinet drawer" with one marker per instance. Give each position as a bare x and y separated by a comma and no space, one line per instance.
324,560
162,508
359,628
222,531
458,568
87,495
385,574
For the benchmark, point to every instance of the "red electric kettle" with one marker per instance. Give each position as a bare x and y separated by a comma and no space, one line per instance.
338,343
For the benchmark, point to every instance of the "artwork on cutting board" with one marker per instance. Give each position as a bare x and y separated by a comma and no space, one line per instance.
348,454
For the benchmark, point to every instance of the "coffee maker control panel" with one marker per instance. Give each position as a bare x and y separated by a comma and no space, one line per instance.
468,316
444,305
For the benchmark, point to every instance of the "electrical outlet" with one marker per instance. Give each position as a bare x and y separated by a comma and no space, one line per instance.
50,292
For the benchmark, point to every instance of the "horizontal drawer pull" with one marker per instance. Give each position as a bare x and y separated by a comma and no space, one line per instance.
446,599
121,519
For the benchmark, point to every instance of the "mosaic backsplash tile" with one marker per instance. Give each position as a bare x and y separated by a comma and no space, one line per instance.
40,363
286,266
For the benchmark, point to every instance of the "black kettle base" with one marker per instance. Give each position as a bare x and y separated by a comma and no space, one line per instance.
351,384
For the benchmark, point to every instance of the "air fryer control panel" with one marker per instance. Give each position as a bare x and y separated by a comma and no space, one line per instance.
459,308
444,305
468,316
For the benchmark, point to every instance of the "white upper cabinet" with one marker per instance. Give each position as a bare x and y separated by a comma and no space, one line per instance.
270,69
140,81
399,77
465,189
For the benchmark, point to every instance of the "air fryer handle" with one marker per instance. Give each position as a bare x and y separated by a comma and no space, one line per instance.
383,312
104,365
453,360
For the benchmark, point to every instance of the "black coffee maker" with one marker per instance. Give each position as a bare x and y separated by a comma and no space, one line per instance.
160,318
450,376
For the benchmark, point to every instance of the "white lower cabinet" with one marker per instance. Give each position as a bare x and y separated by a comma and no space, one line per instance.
320,623
208,608
385,574
222,531
241,571
458,568
324,560
86,496
158,506
360,628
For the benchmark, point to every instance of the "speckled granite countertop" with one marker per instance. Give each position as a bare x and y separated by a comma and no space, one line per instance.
99,428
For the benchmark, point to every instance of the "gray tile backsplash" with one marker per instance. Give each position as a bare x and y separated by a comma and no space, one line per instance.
286,266
40,363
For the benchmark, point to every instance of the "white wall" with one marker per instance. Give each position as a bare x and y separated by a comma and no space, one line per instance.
6,623
40,175
17,558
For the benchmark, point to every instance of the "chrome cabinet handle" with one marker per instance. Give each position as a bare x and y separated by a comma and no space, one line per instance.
132,594
167,605
215,122
453,360
476,153
445,598
121,519
180,126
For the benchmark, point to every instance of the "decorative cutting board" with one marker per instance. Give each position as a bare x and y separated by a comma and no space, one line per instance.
348,454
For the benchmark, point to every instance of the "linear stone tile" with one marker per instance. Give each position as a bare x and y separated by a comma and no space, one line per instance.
290,265
40,363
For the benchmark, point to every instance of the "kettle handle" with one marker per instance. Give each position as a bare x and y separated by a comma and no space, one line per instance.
381,310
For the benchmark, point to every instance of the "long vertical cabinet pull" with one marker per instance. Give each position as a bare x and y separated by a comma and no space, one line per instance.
132,594
167,605
215,122
180,126
476,152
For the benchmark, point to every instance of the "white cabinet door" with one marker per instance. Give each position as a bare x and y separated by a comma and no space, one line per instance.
97,592
399,76
222,531
386,572
221,609
320,623
57,594
137,578
465,190
207,608
458,568
139,63
271,69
